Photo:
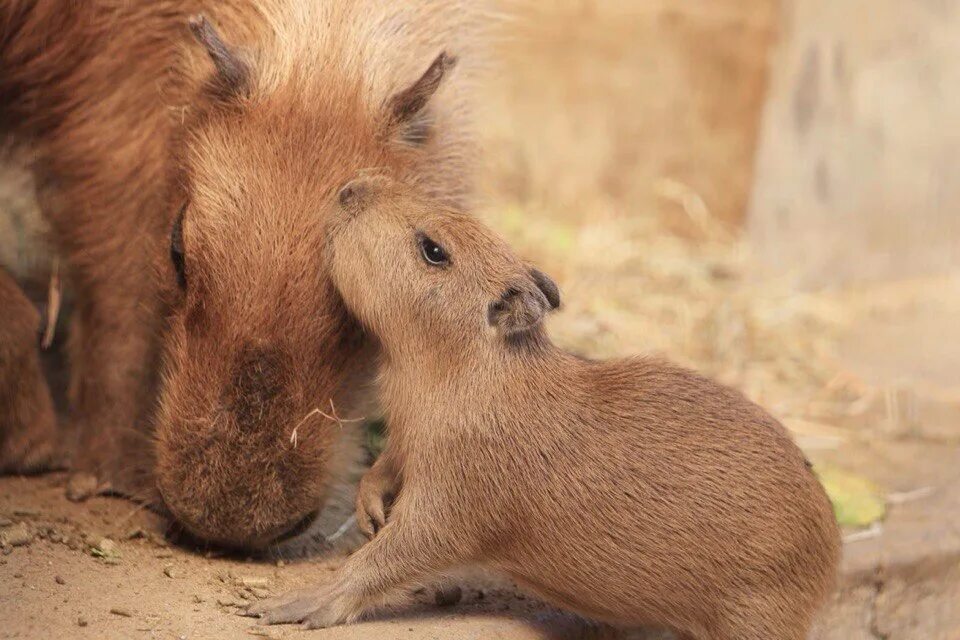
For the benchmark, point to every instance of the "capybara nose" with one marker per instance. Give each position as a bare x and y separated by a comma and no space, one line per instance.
296,528
259,378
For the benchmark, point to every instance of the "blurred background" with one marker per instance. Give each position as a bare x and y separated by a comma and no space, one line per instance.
768,192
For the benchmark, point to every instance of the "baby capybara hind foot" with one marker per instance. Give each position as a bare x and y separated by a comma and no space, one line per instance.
28,435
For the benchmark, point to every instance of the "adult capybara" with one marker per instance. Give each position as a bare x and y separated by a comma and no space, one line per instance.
27,421
634,491
186,179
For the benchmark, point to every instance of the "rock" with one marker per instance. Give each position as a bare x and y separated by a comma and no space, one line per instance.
120,611
81,486
106,549
170,571
5,522
252,581
259,592
16,536
81,621
59,580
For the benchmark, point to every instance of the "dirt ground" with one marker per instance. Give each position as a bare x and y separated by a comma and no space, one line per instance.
104,570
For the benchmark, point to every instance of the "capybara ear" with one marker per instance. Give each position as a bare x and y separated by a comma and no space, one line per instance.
359,193
546,285
406,108
519,309
232,73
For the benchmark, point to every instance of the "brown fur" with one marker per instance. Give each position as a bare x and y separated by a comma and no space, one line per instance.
633,491
249,131
28,435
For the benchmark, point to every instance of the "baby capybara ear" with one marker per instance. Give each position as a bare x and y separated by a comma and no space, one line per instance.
522,307
547,286
360,193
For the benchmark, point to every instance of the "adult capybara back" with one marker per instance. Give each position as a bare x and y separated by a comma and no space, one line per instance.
634,491
187,177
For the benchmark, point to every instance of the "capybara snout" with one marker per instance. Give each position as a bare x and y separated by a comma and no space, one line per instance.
260,379
229,480
241,460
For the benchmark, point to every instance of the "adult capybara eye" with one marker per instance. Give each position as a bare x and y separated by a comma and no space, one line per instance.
433,254
177,251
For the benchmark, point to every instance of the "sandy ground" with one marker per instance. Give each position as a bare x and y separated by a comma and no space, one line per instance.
104,570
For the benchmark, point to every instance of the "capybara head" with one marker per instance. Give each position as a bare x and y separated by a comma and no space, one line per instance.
409,267
260,354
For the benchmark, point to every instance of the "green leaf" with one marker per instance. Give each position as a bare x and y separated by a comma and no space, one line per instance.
857,502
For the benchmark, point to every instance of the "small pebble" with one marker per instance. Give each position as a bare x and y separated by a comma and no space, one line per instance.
81,621
81,486
252,581
16,536
170,572
119,611
59,580
259,592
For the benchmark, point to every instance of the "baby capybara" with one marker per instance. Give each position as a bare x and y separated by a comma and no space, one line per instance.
186,153
633,492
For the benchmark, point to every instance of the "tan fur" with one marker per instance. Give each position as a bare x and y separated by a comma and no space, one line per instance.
633,491
130,120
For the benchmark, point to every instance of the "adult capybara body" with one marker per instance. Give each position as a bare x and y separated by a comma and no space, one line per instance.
27,421
633,491
186,178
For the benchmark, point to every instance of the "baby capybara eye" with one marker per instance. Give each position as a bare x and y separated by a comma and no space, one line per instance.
177,251
433,254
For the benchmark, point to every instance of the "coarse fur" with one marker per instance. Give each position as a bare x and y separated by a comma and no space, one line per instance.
631,491
28,430
239,132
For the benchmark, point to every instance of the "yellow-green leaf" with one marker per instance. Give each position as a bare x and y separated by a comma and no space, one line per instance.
857,502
